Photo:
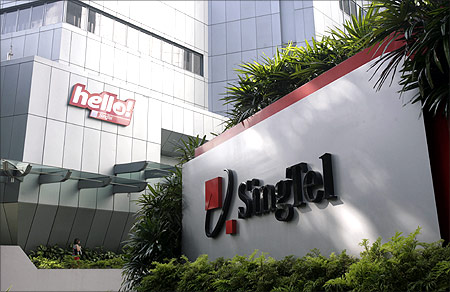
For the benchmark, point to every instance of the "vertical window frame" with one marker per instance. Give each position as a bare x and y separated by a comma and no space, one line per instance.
58,17
13,26
28,21
34,8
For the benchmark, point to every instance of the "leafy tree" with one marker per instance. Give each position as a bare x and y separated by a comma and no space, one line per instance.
424,28
423,59
156,235
261,84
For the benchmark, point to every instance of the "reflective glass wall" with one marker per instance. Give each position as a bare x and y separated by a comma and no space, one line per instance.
108,27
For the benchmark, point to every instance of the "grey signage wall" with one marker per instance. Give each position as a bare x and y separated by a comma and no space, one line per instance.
380,170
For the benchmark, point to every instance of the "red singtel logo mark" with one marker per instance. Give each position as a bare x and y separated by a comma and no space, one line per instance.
104,106
213,200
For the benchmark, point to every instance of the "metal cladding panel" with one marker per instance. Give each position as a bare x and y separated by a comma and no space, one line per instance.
8,94
54,143
105,199
45,44
88,198
59,89
6,126
73,146
115,230
130,221
98,229
11,192
25,219
34,139
11,212
29,190
41,226
18,137
39,89
69,194
23,88
61,227
121,202
82,224
49,193
380,167
5,236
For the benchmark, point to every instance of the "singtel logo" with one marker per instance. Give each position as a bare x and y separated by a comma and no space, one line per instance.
301,183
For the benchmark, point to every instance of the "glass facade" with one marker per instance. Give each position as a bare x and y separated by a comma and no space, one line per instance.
350,7
105,26
53,12
37,15
23,21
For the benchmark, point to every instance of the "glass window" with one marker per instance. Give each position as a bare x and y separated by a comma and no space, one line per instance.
23,21
353,8
167,52
120,33
10,22
198,64
37,15
2,18
188,61
155,48
106,27
178,57
93,22
53,12
133,38
73,13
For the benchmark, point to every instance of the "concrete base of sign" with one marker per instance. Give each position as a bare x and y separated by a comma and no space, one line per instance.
18,273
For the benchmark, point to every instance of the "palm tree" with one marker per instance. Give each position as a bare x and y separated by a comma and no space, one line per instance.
424,28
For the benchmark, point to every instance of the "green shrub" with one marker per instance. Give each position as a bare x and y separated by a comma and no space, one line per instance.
55,257
156,235
402,264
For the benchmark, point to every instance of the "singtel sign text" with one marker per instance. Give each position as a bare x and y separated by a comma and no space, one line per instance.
301,183
104,106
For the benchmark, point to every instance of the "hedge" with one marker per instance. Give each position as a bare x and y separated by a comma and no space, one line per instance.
401,264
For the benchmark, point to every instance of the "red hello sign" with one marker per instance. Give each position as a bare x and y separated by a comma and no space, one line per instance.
104,106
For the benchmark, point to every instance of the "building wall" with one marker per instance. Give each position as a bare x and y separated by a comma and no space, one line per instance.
181,22
38,126
250,30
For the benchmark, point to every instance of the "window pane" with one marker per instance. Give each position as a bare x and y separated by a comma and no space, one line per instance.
106,27
53,13
93,22
144,43
10,22
37,16
167,52
178,57
2,18
198,64
155,49
73,14
353,10
23,22
133,38
120,33
188,61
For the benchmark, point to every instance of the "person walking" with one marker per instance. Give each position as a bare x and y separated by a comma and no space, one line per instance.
76,249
